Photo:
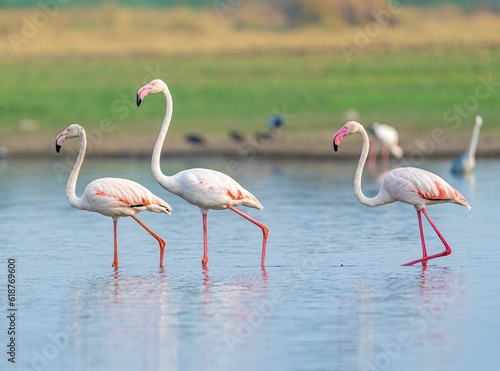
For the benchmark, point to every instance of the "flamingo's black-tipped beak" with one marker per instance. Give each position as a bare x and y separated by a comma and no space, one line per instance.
60,139
337,138
58,146
138,100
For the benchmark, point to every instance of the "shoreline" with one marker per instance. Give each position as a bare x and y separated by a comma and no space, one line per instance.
413,154
418,145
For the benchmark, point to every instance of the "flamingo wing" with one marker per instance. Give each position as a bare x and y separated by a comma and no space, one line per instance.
420,187
386,134
212,189
121,197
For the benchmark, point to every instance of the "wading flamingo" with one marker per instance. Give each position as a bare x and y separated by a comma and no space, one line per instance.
466,162
410,185
114,197
387,138
205,188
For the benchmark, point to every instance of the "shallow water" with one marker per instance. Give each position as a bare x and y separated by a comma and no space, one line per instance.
333,295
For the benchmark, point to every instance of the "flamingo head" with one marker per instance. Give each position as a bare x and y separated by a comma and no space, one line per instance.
479,120
73,131
155,86
350,128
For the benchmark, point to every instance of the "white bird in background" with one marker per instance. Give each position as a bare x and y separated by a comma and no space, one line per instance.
205,188
410,185
466,162
114,197
387,138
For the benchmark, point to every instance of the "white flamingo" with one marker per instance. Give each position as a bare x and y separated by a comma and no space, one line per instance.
410,185
386,137
466,162
205,188
114,197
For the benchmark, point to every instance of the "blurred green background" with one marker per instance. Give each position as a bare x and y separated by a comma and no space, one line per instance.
415,65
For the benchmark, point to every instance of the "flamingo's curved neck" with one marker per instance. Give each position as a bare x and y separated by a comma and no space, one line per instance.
163,179
379,199
473,143
71,185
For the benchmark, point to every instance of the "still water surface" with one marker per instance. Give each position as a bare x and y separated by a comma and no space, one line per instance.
333,295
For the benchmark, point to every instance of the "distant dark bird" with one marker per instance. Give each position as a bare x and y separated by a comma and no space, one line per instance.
195,139
237,136
466,162
275,122
264,136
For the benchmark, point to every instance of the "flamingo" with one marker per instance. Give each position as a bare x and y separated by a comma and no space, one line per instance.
204,188
466,162
114,197
410,185
386,137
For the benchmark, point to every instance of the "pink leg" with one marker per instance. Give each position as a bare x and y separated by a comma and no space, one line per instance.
204,261
373,155
265,231
206,276
385,158
115,237
162,243
425,258
422,238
